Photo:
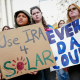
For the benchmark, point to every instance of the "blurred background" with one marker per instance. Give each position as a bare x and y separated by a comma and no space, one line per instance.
53,10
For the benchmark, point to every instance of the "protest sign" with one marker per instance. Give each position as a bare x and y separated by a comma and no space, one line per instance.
65,44
23,50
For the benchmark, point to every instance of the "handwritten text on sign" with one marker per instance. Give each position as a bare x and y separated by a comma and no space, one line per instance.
23,50
65,44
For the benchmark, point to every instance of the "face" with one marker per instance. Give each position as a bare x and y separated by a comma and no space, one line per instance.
73,12
6,28
36,15
22,19
61,24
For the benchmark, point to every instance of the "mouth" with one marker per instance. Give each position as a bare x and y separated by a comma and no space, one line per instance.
20,21
72,13
37,17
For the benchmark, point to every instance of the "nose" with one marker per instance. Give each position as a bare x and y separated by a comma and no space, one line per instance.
36,13
71,9
20,16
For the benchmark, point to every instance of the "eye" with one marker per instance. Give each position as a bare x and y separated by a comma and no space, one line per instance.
74,8
24,16
69,10
38,12
18,16
33,14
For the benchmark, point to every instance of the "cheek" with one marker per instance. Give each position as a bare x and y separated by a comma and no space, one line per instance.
60,25
69,14
40,15
17,20
78,13
34,17
25,21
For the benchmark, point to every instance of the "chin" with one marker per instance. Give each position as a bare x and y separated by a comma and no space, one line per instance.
73,15
37,20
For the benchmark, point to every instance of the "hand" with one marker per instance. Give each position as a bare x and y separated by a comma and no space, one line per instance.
33,73
0,76
66,69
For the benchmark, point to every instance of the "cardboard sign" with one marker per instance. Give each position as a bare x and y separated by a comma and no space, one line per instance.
23,50
65,44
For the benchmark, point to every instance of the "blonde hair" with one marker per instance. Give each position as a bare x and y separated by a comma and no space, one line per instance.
68,17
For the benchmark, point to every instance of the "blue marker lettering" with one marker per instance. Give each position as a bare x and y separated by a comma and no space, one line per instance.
61,47
76,26
76,56
64,60
50,36
68,30
73,42
60,35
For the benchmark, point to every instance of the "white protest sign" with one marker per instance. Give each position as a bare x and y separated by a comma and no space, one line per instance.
65,44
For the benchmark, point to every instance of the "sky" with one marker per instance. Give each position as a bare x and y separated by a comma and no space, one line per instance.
47,7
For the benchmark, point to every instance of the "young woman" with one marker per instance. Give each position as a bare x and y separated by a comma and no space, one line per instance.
62,73
61,23
73,13
23,18
37,17
3,29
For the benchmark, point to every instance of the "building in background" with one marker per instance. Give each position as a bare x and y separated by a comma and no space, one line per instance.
6,13
53,10
0,13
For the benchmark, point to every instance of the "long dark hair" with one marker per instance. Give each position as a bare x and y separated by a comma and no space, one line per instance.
4,27
43,20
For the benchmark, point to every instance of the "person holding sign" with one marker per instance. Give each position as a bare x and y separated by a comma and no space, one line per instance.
62,73
37,17
73,13
3,29
23,18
